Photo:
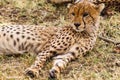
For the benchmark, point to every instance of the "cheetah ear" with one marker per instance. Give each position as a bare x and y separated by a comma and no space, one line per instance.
100,7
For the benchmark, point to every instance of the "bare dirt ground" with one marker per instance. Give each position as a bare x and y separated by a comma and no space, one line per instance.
102,63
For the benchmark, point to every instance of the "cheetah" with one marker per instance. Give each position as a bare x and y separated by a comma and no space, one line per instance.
70,42
110,5
63,44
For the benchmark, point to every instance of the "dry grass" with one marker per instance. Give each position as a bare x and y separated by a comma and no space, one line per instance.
99,64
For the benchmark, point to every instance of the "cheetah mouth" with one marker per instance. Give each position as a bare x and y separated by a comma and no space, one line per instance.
77,30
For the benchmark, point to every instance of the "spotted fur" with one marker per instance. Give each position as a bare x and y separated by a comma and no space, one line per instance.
64,44
70,41
19,39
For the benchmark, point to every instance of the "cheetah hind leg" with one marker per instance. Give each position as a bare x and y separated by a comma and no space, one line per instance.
35,68
59,64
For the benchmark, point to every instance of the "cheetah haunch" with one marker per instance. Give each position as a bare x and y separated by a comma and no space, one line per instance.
64,43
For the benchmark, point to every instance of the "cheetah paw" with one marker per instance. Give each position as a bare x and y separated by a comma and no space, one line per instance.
32,73
52,74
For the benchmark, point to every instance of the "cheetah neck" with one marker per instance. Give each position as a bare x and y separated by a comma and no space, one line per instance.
93,29
91,32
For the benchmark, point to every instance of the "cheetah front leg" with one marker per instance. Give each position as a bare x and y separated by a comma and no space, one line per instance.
34,70
59,64
61,61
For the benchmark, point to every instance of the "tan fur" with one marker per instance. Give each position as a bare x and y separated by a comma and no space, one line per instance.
69,41
64,43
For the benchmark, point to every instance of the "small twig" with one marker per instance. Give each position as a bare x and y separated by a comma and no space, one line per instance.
108,40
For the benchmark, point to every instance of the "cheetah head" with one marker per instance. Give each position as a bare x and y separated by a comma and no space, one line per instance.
84,14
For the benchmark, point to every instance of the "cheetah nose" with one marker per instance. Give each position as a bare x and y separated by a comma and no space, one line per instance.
77,24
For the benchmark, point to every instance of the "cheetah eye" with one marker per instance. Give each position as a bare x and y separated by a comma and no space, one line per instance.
73,14
85,14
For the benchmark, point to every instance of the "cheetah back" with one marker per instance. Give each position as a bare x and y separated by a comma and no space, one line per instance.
18,39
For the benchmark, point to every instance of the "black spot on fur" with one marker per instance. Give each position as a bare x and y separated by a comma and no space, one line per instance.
23,30
11,36
17,32
32,34
23,36
77,48
14,43
73,54
14,29
61,46
86,48
67,38
54,52
19,48
65,49
4,34
18,28
33,38
28,32
63,37
17,39
28,37
36,34
65,44
58,44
